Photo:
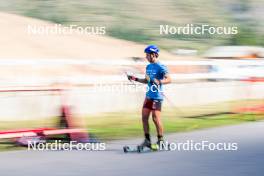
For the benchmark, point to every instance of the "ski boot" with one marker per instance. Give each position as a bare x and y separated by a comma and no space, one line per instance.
146,144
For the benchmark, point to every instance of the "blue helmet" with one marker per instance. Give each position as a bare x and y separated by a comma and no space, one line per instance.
152,49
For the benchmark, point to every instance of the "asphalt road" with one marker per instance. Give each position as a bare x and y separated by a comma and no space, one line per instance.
247,160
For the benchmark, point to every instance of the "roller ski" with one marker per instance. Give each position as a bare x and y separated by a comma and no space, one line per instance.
146,146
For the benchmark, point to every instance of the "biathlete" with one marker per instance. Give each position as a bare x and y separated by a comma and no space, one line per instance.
156,76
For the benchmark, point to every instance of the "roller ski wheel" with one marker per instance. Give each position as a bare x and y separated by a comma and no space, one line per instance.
154,147
140,148
126,149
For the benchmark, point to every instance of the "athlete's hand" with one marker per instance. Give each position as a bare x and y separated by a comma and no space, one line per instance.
130,77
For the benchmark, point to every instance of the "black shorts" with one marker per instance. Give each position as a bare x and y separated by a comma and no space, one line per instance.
152,104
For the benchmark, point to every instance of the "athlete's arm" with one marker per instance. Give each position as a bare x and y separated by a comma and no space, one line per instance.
141,80
166,79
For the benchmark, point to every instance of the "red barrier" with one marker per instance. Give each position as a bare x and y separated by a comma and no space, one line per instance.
75,131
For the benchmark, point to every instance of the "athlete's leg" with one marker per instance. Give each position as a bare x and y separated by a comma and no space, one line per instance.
146,110
145,118
156,117
145,121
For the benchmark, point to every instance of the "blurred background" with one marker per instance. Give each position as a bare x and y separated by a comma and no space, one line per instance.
217,79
